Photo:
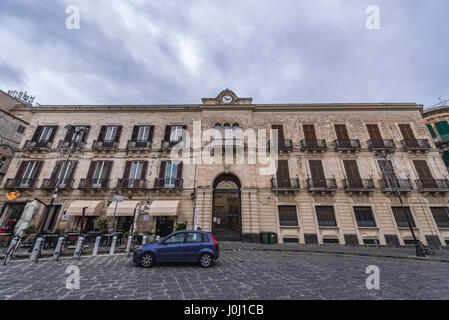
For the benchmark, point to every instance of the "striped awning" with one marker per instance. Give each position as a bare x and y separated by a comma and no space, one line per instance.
124,208
94,208
164,208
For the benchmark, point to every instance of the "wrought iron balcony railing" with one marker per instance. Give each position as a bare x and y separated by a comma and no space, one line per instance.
321,184
20,183
75,145
415,144
138,145
347,145
168,144
358,184
282,144
313,145
285,184
426,185
105,145
94,183
131,184
51,184
37,145
400,184
381,144
168,183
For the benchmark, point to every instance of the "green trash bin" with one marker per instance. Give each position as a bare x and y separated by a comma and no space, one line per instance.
264,236
272,238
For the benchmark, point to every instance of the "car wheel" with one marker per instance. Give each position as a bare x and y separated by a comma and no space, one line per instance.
206,260
146,260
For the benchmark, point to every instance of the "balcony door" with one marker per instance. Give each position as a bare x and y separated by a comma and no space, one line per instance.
353,174
226,215
408,135
317,173
280,130
283,174
424,173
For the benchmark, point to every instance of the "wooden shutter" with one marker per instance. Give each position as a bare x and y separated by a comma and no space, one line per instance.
150,134
162,169
341,131
90,172
56,169
134,135
127,170
179,171
20,172
73,167
280,130
167,133
309,132
37,133
38,169
374,132
109,169
283,175
383,169
53,133
68,135
102,133
118,134
422,169
317,173
143,176
407,132
352,173
84,138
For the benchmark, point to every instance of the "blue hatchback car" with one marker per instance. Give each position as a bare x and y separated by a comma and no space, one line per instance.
181,246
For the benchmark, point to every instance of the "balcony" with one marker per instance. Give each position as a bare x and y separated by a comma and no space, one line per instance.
402,185
37,145
20,183
285,185
381,144
348,145
358,185
169,144
50,184
139,145
432,185
106,145
283,145
313,145
73,145
94,184
416,145
168,183
321,185
131,184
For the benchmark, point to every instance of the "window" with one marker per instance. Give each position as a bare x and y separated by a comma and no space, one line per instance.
176,133
45,134
177,238
111,131
287,216
143,134
2,161
441,216
227,131
370,241
326,216
443,129
136,170
401,218
29,171
331,240
217,132
20,129
171,173
432,132
100,171
195,238
290,240
364,217
63,175
235,131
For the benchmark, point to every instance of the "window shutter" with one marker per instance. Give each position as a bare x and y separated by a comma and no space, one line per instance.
167,133
84,138
401,218
109,169
422,169
432,132
287,216
37,133
309,132
74,165
144,170
283,175
352,171
69,134
443,129
38,170
162,169
90,172
134,134
316,170
280,130
383,169
53,133
179,172
341,131
325,216
150,134
102,133
56,170
407,132
446,158
127,170
118,134
21,170
373,131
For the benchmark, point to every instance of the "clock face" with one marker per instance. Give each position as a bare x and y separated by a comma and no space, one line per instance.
226,99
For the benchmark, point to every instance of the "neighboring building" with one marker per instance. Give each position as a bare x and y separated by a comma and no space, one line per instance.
329,187
437,122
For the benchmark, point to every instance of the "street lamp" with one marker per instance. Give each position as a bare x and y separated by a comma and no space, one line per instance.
392,180
77,131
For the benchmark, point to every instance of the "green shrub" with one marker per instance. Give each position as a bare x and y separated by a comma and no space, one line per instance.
181,226
30,230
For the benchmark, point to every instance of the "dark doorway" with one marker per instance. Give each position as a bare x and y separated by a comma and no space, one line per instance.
12,213
164,226
226,214
50,217
124,224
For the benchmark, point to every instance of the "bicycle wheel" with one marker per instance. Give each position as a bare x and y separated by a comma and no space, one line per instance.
7,258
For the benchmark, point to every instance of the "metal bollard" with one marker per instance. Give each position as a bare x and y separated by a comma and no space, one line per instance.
58,247
114,241
97,244
128,246
78,246
144,240
36,249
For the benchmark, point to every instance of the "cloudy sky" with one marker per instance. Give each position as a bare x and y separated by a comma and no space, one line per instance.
178,51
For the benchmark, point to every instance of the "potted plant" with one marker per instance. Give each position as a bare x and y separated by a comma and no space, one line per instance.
181,226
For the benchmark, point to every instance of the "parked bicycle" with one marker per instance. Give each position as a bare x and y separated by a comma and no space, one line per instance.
12,249
65,241
81,251
44,244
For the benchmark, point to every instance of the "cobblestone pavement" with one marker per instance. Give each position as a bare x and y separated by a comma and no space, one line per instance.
236,275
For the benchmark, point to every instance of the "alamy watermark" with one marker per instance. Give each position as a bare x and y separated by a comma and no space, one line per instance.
372,22
73,20
373,280
72,282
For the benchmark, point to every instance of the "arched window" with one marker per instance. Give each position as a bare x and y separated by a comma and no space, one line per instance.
236,131
217,134
227,131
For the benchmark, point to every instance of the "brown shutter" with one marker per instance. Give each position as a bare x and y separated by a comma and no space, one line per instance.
90,172
68,136
374,132
150,134
73,167
127,170
38,169
407,132
134,134
179,171
53,133
84,138
102,133
167,133
118,134
352,171
37,133
423,169
109,169
341,131
162,169
384,168
283,175
56,169
143,176
21,170
280,130
317,173
309,132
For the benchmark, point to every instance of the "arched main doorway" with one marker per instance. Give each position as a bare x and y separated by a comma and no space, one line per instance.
226,212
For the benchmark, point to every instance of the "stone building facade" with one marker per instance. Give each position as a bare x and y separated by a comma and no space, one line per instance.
328,184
